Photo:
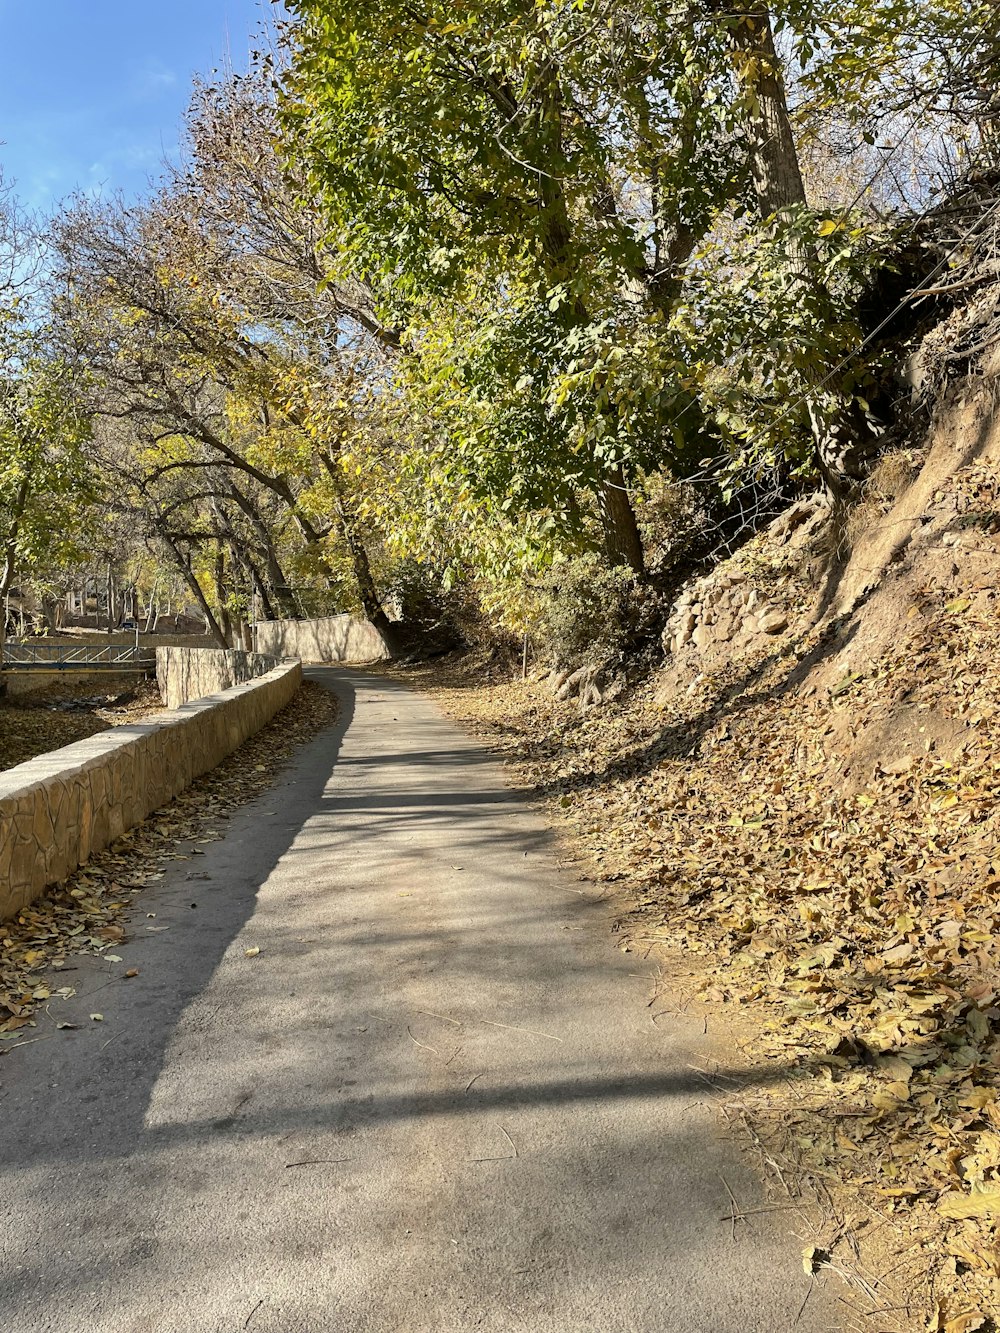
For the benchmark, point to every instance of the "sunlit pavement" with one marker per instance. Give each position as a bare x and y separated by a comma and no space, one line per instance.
433,1100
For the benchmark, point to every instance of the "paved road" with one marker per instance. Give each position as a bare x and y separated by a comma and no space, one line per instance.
433,1102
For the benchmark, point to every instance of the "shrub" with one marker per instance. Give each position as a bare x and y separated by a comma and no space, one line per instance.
416,594
676,521
590,613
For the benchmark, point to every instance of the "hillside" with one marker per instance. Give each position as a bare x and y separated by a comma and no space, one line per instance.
801,810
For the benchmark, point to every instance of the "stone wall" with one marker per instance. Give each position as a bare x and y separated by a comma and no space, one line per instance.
57,810
332,639
184,674
18,683
754,597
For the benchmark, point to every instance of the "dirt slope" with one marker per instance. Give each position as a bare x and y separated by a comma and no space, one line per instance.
839,847
805,807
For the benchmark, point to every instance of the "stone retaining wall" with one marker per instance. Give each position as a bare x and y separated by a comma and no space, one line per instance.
193,673
730,607
332,639
56,811
16,684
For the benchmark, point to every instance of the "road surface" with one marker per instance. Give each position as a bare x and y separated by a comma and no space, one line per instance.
433,1102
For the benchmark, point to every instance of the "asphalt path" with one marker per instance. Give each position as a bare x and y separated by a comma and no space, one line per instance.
434,1100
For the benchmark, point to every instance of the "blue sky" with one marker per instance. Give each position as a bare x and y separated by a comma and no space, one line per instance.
92,91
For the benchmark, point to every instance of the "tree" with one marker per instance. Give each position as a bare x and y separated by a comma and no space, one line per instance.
884,37
183,378
44,487
565,158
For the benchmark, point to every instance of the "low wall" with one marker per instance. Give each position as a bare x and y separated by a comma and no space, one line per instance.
101,681
56,811
332,639
193,673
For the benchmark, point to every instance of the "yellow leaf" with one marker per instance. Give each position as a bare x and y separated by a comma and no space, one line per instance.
901,954
958,1205
828,227
885,1101
977,1098
965,1323
896,1066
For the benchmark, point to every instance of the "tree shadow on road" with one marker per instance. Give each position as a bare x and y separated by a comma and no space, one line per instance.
390,1061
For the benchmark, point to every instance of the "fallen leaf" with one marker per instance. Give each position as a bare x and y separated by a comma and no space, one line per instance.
958,1205
813,1258
901,954
965,1323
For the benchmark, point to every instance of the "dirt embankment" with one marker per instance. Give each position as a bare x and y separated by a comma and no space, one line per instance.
805,806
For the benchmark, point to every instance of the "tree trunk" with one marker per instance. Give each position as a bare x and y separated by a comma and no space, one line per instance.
278,580
622,542
188,575
261,590
841,435
17,507
367,591
774,159
152,613
361,565
225,620
6,579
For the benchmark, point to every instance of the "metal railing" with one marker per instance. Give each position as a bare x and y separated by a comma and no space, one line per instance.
73,657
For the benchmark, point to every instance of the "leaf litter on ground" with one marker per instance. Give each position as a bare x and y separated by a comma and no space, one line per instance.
34,724
847,922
